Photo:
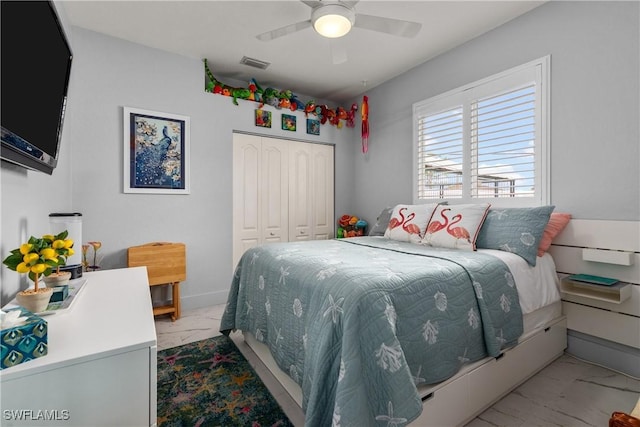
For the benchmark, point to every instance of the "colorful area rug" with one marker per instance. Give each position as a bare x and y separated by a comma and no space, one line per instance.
210,383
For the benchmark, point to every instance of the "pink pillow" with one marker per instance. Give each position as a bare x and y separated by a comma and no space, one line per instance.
557,222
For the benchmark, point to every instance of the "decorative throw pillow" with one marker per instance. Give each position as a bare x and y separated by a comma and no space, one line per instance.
408,222
455,226
516,230
382,222
557,222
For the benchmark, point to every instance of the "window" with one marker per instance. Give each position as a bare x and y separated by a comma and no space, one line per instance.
486,141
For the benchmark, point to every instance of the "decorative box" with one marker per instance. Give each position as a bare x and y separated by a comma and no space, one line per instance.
27,341
60,293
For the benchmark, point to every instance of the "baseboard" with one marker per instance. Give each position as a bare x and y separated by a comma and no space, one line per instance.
191,302
204,300
612,355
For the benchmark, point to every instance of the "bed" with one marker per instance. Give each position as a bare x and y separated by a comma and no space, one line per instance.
377,331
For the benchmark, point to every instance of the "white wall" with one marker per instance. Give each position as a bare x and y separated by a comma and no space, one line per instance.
28,197
110,73
595,149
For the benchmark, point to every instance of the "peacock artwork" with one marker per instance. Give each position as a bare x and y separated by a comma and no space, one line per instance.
157,153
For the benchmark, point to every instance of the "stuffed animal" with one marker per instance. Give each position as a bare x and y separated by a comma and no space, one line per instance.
271,96
296,104
285,99
344,221
350,226
310,107
361,224
256,90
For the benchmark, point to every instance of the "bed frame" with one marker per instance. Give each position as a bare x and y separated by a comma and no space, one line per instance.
476,387
479,385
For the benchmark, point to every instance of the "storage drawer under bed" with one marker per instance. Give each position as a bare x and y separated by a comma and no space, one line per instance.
479,385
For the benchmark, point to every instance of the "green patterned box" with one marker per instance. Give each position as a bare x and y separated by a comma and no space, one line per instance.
25,342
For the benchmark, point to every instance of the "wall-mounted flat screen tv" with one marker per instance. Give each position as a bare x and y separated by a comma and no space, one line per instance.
36,64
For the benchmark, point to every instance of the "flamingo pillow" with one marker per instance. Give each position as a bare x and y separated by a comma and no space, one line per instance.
455,226
408,222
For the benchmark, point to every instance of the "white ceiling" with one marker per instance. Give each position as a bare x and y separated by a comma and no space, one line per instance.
224,32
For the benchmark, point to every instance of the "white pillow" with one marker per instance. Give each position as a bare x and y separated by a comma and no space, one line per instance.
408,222
455,226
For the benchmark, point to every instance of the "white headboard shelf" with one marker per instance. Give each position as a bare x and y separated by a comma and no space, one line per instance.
601,248
608,249
607,256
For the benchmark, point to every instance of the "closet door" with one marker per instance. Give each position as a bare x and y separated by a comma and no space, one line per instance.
274,191
323,191
247,157
282,191
300,191
260,192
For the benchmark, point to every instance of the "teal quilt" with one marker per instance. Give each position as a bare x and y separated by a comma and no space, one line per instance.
359,323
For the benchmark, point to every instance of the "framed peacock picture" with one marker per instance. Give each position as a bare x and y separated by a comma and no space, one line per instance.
156,152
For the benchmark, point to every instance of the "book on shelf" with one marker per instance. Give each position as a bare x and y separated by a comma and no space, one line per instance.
592,280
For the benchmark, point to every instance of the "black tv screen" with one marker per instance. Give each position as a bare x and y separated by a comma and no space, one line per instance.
36,63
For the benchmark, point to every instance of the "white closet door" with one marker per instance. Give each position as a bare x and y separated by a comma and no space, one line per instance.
275,190
300,191
323,191
247,157
282,191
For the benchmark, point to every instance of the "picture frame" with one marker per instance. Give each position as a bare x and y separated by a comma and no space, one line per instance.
313,127
263,118
289,122
156,152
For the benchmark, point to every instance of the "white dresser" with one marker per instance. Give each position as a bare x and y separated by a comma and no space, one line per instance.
101,365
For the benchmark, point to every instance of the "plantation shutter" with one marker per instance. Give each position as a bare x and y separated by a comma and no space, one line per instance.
502,144
486,141
440,155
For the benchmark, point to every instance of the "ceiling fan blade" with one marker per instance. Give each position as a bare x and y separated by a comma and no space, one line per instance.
283,31
315,3
392,26
312,3
349,3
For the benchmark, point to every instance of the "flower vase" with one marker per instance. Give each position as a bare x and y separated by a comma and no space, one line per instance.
34,301
57,279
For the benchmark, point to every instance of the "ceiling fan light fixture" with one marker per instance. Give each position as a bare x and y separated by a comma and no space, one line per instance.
333,20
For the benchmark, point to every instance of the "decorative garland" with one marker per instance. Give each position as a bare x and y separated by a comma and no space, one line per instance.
280,99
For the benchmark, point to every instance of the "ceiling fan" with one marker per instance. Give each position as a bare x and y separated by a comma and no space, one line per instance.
334,19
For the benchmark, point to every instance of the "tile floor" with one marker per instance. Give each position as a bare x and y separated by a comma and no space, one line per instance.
568,392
